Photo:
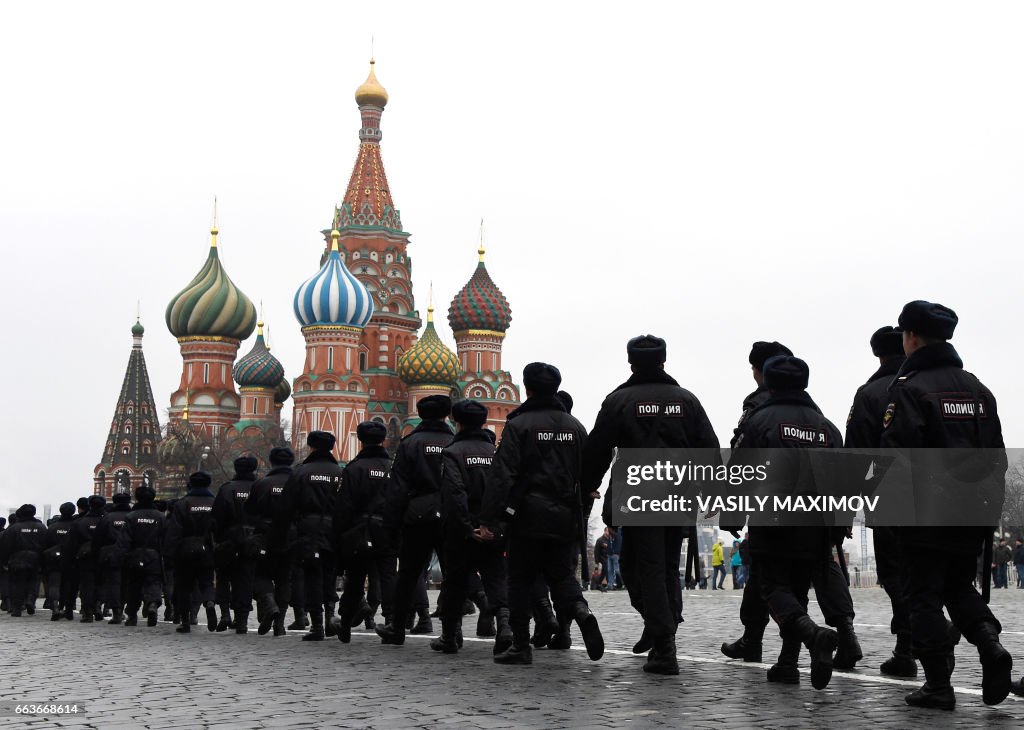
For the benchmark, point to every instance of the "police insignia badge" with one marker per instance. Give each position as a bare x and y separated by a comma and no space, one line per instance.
849,416
890,411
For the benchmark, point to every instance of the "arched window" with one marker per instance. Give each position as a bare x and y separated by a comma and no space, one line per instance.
328,386
131,410
128,427
353,387
330,358
362,361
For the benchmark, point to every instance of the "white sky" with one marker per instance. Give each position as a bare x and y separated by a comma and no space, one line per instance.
711,173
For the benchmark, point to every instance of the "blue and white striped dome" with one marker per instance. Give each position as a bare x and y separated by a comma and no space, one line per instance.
333,296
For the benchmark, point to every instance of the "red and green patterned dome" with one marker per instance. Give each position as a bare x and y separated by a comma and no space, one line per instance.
480,305
258,369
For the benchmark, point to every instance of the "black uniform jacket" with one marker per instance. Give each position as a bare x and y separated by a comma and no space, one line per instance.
534,480
650,410
58,540
864,424
80,542
935,404
365,482
781,429
464,469
265,500
229,514
192,520
752,401
109,540
22,544
307,502
415,495
144,528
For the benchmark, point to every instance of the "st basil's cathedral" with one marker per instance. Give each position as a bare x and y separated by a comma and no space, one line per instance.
365,357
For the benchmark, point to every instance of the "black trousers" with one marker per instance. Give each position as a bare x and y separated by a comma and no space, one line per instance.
143,579
320,577
22,586
892,575
464,558
298,583
87,586
272,577
830,590
937,580
68,584
526,560
784,585
192,575
358,570
418,544
51,576
112,581
650,570
235,583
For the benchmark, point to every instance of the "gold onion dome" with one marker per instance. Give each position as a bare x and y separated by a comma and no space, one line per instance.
429,361
371,93
211,305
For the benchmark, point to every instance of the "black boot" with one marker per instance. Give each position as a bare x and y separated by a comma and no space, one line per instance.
662,658
331,625
820,642
468,609
300,621
503,637
902,663
391,634
520,652
848,653
211,616
69,614
485,620
56,615
344,630
563,639
117,617
241,622
363,615
936,692
225,618
996,663
748,648
186,627
131,619
152,611
424,625
269,613
169,614
279,629
1018,687
316,632
785,669
645,643
368,622
446,642
592,638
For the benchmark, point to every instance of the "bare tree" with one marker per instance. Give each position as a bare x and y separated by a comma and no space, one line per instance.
1013,504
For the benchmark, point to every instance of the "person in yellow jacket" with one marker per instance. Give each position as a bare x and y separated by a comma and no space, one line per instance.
718,565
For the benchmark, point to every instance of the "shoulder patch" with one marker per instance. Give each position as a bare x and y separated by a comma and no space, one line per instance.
962,409
808,435
890,411
849,416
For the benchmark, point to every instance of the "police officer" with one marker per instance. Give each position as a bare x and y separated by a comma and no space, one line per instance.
934,403
789,558
233,532
864,431
55,559
271,581
466,461
109,548
753,611
671,417
308,502
188,544
534,487
21,550
144,538
86,564
363,544
414,507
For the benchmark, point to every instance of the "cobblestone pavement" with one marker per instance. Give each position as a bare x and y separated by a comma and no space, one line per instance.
154,678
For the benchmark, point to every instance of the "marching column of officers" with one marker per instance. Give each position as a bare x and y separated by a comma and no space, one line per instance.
508,525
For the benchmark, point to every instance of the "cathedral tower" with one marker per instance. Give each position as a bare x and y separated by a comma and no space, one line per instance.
332,393
210,317
129,457
479,316
373,245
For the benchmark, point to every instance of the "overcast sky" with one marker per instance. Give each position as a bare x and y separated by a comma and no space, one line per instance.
713,173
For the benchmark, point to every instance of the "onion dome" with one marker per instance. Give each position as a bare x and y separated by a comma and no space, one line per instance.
282,391
333,296
371,93
429,361
137,329
211,305
480,305
258,369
